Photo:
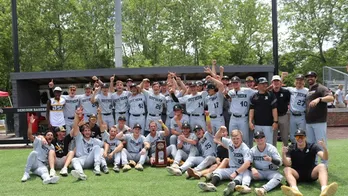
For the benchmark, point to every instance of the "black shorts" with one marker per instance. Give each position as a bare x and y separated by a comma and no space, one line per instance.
305,175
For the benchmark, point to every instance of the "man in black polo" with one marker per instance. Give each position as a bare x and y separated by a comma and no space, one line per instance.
283,100
263,114
299,162
316,109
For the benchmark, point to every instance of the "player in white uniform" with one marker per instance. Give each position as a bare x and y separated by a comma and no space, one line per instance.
297,106
176,123
104,100
155,103
71,104
85,101
214,101
54,114
239,109
120,98
237,154
136,107
88,149
38,158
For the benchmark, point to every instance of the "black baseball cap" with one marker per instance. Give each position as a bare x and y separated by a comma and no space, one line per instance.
211,86
299,76
262,80
300,132
122,118
185,125
197,128
249,78
163,83
259,134
129,79
192,84
311,73
92,116
199,83
133,85
58,129
88,86
105,85
177,107
225,77
235,79
137,125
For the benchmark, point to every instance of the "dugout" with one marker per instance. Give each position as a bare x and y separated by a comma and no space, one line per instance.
27,87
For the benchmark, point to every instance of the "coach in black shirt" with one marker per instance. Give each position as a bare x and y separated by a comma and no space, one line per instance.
283,100
263,114
299,162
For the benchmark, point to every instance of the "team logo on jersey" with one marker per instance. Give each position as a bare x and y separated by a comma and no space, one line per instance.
266,97
281,94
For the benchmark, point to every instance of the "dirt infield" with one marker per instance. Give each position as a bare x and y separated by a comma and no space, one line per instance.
337,132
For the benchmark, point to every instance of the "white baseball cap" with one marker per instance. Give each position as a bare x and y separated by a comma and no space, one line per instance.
276,77
57,89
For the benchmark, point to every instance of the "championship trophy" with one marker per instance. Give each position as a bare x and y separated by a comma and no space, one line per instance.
161,154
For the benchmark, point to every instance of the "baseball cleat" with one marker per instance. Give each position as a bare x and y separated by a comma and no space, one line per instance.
242,189
174,171
330,190
64,171
52,172
25,177
260,191
139,167
230,188
174,165
52,180
193,173
78,175
116,168
132,163
126,168
290,191
105,169
207,186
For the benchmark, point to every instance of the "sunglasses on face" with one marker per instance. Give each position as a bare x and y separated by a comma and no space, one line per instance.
299,137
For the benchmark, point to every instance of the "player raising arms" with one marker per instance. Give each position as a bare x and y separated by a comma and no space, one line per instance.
38,158
137,106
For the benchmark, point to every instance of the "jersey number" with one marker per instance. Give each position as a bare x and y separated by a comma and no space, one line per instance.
200,104
141,105
158,107
89,150
301,102
244,103
207,146
216,105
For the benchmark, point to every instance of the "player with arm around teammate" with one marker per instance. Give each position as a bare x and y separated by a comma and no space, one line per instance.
38,158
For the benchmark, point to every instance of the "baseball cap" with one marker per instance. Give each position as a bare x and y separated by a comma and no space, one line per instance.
276,77
122,118
163,83
311,73
58,89
129,80
300,132
249,78
177,107
197,127
105,85
192,84
58,129
133,85
92,116
211,86
299,76
235,79
137,125
259,134
199,83
262,80
225,77
146,79
185,125
88,86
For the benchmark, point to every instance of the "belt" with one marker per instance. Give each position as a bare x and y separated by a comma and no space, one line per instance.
297,114
137,114
239,116
71,118
120,112
215,116
196,114
171,117
107,114
154,114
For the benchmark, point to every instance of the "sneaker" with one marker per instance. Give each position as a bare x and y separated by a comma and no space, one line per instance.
193,173
25,177
139,167
243,189
105,169
330,190
174,165
290,191
96,170
64,171
174,171
52,180
260,191
52,172
208,177
207,186
78,175
230,188
126,168
132,163
116,168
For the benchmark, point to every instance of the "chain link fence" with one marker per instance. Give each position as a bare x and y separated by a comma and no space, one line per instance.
334,76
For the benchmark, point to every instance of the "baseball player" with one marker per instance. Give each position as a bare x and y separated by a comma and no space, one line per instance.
88,149
85,101
155,103
214,101
105,102
176,123
71,104
237,154
121,125
136,107
136,151
120,98
194,103
239,109
266,161
38,158
54,114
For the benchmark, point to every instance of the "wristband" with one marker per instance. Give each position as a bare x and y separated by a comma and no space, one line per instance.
236,172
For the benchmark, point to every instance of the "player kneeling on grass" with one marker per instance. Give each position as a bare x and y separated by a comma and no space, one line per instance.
134,150
38,158
88,150
299,162
238,163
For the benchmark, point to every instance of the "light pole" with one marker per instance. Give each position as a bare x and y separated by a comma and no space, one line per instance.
118,34
15,36
275,36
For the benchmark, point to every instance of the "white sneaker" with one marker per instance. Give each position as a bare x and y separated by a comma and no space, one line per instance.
260,191
139,167
230,188
290,191
330,189
243,189
174,171
52,172
78,175
64,171
25,177
52,180
174,165
116,168
207,186
96,170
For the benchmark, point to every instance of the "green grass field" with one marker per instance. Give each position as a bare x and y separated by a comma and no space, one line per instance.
152,181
